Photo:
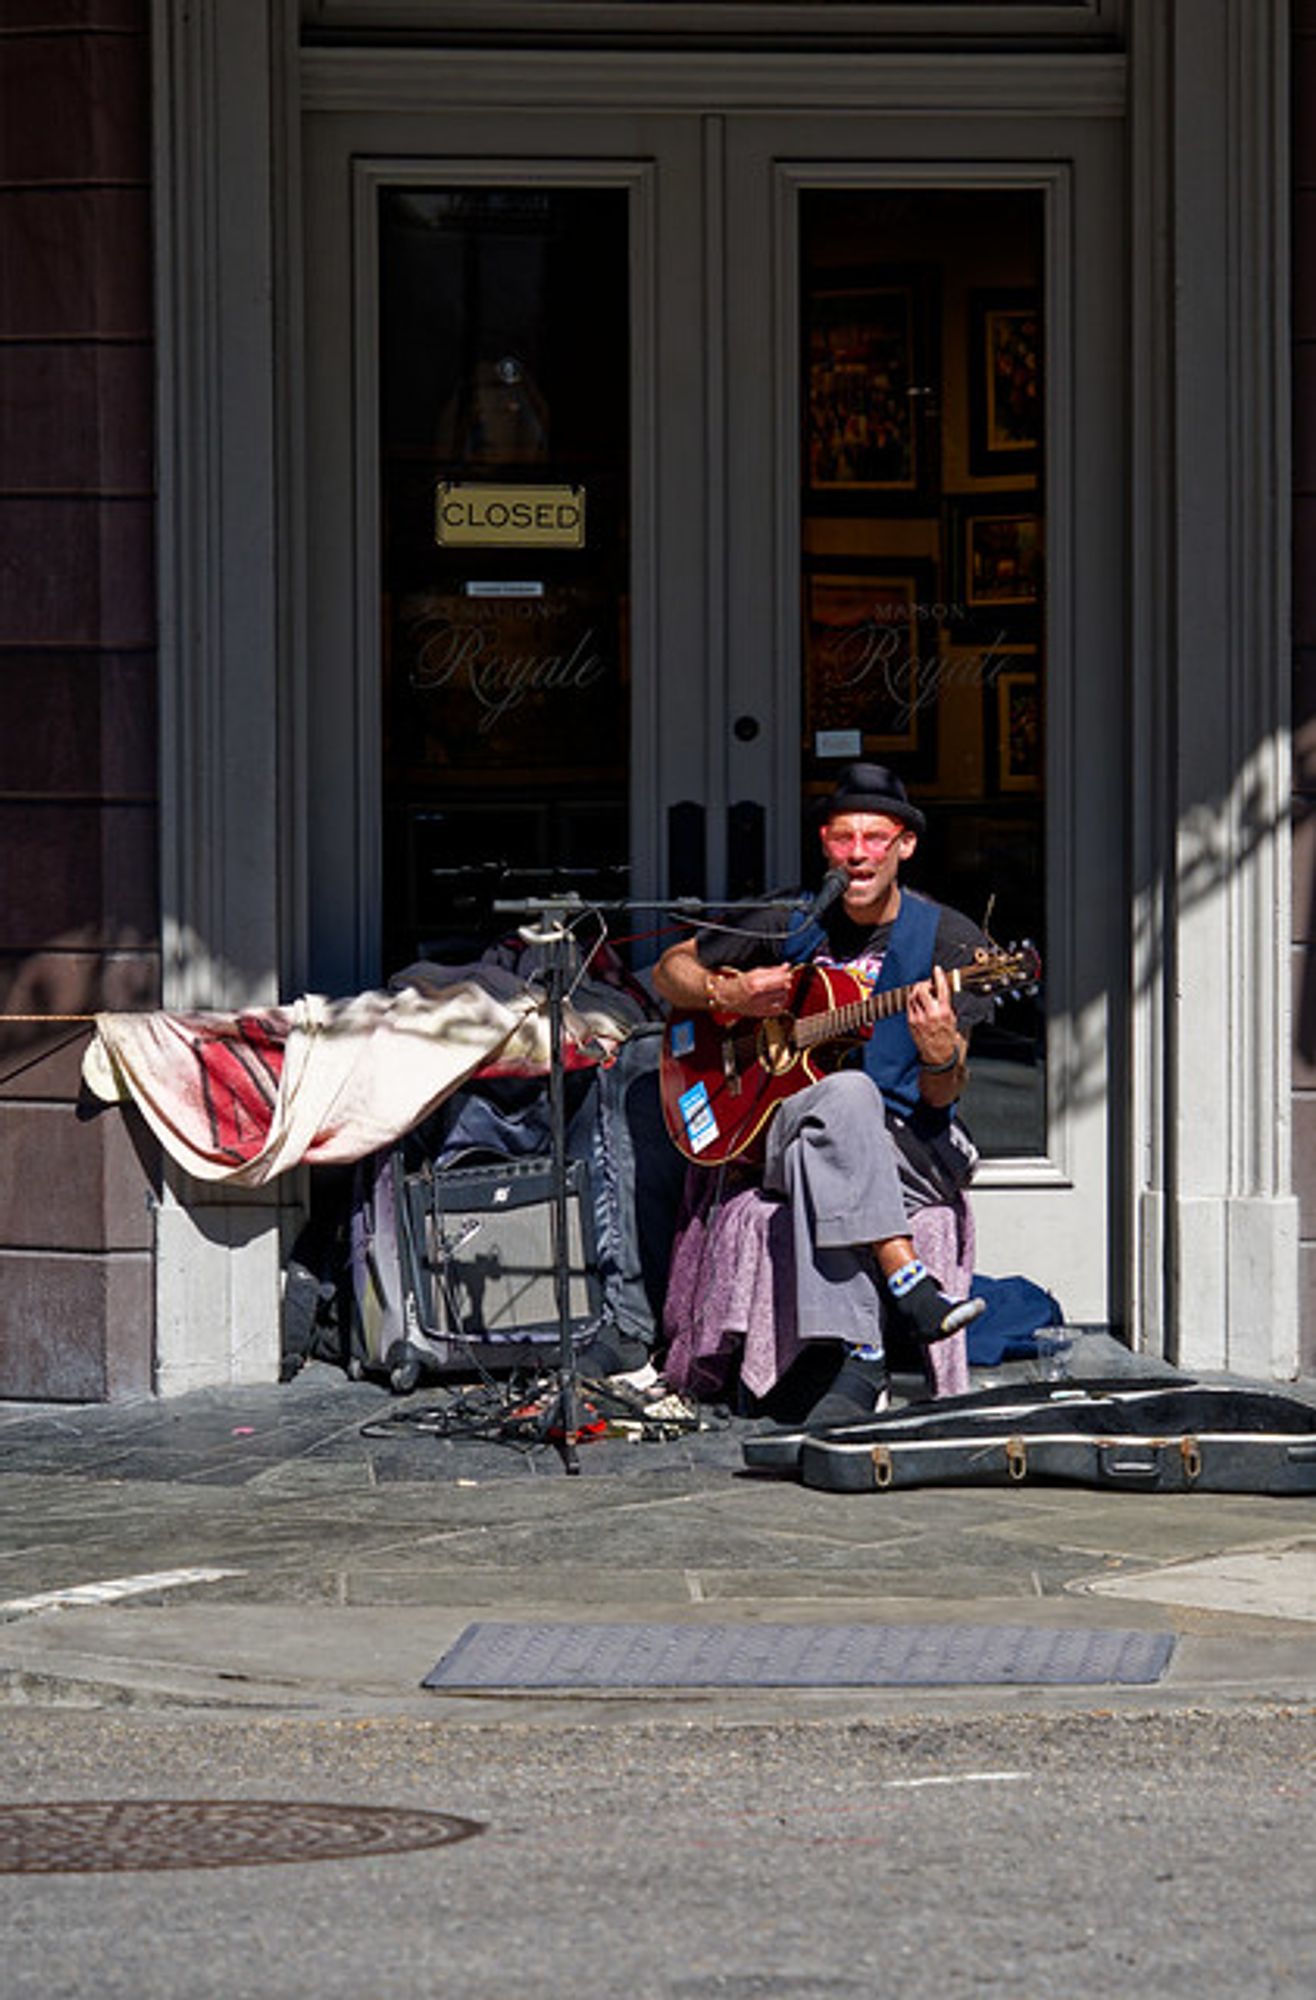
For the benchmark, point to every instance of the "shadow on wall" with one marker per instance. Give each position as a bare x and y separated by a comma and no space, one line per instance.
1304,933
1213,848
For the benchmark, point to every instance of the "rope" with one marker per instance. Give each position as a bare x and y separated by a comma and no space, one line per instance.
43,1055
30,1018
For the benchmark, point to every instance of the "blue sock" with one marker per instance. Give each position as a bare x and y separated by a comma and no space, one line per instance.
905,1279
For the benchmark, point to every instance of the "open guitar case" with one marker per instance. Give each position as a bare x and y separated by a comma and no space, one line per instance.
1150,1436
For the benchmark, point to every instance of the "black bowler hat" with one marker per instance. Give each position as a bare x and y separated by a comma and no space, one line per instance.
871,788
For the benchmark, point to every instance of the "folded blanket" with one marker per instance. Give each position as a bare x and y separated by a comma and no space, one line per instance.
730,1304
242,1097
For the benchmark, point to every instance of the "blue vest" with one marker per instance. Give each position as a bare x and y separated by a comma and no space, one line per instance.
889,1054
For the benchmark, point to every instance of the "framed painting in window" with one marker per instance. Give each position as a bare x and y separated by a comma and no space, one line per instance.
1015,695
996,564
870,657
1005,383
870,392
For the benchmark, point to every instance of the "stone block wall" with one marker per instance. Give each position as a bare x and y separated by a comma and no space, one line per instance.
79,898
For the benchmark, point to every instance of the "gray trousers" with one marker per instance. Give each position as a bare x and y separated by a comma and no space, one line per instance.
849,1186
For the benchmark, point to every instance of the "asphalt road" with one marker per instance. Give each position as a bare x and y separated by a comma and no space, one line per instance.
1095,1853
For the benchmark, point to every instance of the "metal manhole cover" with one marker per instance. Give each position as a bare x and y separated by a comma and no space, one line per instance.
83,1836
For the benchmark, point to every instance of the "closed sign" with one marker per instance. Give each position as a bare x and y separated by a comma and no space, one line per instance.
521,517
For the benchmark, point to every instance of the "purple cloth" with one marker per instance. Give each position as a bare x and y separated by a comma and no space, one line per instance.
731,1291
730,1295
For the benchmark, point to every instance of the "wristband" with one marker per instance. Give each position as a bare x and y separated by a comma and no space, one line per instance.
943,1068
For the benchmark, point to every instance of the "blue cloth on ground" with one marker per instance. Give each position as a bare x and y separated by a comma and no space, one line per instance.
1017,1311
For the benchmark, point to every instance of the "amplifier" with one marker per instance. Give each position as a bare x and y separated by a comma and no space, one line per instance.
482,1273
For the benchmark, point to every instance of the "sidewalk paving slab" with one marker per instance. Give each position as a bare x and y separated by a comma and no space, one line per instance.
360,1557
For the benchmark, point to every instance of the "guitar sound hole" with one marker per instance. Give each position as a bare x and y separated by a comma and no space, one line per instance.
775,1051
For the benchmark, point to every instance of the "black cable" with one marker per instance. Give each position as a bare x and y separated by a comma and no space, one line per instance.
479,1414
513,1414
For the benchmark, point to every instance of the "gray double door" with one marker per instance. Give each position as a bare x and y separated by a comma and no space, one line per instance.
659,458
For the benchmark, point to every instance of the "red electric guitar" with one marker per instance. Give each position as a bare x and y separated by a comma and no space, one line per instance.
723,1075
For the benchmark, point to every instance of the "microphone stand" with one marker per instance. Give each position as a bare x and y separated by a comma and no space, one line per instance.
552,933
553,936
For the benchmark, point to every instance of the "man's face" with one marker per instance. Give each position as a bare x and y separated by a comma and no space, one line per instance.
870,847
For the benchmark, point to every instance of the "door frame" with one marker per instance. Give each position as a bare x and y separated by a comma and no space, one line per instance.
1208,1228
754,168
360,856
670,514
1060,1232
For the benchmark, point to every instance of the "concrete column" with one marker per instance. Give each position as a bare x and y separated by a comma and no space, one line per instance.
220,182
1212,1158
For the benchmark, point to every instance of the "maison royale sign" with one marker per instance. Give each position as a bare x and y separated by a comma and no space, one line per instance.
512,517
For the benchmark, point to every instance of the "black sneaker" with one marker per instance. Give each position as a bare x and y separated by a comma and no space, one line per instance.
858,1392
931,1315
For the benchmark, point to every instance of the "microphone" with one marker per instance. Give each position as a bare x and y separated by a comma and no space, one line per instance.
833,886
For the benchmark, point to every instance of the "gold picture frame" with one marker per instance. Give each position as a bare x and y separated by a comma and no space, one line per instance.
1006,362
869,392
870,654
1019,732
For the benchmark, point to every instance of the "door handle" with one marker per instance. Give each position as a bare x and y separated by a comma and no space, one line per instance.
687,858
746,848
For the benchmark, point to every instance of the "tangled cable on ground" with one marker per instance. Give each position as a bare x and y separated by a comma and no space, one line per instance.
524,1413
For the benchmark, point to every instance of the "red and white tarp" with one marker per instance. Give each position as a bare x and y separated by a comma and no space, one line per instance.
242,1097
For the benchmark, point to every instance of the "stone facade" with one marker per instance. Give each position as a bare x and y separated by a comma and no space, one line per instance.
79,901
80,897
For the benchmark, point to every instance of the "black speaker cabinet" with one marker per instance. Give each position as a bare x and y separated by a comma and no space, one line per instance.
480,1244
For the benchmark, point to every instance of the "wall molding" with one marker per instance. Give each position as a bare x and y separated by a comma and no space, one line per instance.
437,80
218,587
722,20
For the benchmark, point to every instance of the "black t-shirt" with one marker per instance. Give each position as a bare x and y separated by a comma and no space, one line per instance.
756,939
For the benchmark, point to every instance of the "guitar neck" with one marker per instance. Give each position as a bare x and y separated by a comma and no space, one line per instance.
834,1022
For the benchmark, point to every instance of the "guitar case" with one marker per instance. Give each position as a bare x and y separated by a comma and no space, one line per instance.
1146,1437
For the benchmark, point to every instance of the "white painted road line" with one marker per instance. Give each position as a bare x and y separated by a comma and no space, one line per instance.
956,1778
113,1588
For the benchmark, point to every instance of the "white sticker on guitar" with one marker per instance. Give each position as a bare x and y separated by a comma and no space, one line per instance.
697,1116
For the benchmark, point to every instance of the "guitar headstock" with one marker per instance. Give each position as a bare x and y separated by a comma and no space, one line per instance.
1003,970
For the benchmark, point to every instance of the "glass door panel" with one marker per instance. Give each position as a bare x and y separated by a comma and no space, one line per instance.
505,481
946,552
922,509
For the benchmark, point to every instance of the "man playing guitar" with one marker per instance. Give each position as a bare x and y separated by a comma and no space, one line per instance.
857,1152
